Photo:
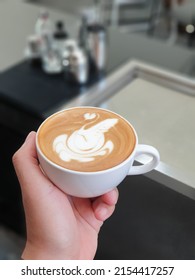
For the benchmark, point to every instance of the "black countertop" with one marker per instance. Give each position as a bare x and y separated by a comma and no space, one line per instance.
26,88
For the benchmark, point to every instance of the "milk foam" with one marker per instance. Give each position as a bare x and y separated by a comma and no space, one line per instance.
85,144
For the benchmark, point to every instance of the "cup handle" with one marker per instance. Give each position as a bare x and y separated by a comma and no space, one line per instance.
147,150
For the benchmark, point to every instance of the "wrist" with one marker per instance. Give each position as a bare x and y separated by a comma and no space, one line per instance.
32,252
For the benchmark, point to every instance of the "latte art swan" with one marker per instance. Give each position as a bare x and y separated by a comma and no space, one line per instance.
86,139
85,144
88,151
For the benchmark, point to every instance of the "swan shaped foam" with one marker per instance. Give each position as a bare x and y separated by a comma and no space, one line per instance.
84,145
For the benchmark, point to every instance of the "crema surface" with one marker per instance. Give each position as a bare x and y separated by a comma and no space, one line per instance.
86,139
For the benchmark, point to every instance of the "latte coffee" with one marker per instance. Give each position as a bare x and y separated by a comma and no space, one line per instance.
86,139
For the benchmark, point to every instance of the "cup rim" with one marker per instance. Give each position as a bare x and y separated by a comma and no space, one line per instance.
85,172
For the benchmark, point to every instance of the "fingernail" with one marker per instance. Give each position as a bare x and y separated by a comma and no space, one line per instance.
29,136
103,212
116,196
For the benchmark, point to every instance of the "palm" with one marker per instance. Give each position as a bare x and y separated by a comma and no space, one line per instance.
67,220
79,223
58,226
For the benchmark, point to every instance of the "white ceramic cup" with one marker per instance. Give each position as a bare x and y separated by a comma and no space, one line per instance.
92,184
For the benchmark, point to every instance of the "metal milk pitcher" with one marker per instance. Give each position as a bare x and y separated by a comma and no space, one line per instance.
97,45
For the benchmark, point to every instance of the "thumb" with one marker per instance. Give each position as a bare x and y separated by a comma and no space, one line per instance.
32,180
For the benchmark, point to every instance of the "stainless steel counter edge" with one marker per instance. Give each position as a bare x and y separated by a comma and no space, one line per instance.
97,95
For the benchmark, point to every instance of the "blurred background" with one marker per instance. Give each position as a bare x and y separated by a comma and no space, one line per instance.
155,216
